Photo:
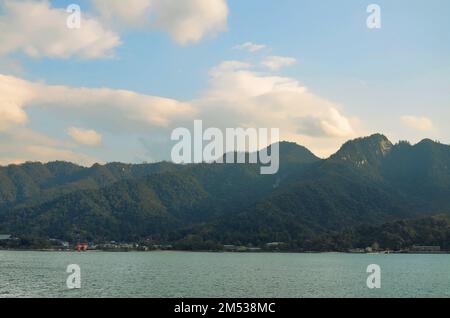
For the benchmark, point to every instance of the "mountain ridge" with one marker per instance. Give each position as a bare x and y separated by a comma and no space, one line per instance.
233,203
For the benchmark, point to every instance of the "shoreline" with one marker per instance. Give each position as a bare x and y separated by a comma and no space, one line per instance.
225,252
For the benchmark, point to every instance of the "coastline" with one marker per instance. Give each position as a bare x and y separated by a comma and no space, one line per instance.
224,252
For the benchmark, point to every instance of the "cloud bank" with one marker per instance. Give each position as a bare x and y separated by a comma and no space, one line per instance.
86,137
38,30
187,21
238,95
418,123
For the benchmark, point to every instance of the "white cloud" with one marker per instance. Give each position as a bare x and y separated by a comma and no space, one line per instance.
191,20
250,47
38,30
14,94
187,21
117,112
131,13
19,145
418,123
237,96
111,109
85,137
240,97
275,63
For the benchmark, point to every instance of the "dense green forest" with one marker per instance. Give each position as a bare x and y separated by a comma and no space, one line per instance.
395,236
369,191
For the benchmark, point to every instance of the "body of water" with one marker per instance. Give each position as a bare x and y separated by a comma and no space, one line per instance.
178,274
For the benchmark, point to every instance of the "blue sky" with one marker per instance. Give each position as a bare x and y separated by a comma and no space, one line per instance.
394,80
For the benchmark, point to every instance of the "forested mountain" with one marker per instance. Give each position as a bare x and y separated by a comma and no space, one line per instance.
396,235
39,182
368,181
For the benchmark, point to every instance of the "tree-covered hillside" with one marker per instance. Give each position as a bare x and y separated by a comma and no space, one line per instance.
36,182
368,181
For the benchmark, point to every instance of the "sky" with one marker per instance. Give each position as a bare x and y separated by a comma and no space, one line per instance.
116,87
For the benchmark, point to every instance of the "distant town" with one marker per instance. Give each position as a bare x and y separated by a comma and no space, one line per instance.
9,242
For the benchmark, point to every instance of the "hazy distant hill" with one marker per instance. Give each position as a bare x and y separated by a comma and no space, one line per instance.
368,181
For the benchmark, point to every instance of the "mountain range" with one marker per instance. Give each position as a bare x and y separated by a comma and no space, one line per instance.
368,183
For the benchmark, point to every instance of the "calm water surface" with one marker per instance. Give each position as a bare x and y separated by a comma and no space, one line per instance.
178,274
